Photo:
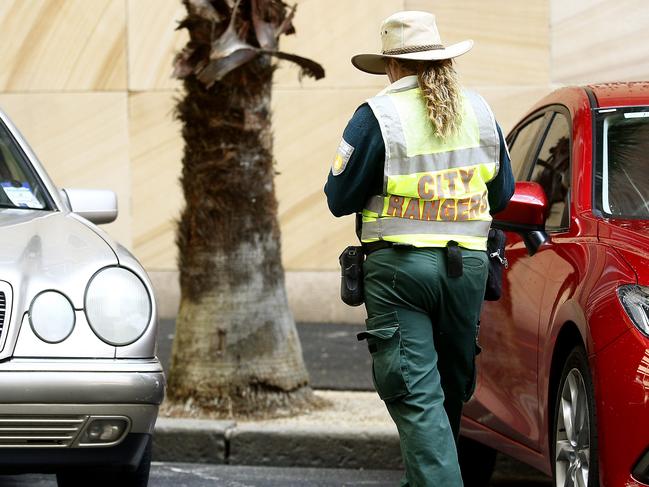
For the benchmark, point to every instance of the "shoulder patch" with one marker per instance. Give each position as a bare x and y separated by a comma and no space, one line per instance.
343,155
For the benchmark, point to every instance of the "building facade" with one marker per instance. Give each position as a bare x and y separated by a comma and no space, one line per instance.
89,84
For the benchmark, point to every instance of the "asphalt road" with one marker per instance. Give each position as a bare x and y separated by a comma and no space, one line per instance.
193,475
335,359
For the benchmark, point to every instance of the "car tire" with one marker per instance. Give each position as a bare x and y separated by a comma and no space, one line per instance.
477,462
101,478
574,438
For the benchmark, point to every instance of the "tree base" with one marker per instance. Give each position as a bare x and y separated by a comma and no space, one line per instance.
252,403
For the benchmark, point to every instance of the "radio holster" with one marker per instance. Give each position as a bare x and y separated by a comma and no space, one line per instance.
351,275
351,270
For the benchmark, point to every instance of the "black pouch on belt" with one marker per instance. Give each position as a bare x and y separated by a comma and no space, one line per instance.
454,264
351,276
497,260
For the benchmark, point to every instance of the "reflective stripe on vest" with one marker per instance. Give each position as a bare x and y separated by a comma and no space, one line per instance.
434,190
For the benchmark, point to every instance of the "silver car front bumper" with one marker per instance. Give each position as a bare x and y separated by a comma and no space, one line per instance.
48,403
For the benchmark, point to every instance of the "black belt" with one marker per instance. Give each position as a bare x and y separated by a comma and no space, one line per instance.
370,247
454,264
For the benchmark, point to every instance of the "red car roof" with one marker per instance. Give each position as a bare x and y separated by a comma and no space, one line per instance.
632,93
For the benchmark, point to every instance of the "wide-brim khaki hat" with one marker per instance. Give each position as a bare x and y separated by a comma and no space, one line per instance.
413,36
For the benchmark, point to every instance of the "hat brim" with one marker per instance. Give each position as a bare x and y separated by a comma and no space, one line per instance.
375,63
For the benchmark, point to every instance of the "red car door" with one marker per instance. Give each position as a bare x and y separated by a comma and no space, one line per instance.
507,398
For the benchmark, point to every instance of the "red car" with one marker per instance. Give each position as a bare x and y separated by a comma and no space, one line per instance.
563,378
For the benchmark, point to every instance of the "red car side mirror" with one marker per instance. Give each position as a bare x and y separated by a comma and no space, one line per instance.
528,207
525,214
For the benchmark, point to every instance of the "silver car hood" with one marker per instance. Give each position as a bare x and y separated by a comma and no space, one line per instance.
49,250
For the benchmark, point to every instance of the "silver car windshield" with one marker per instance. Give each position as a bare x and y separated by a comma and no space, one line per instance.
20,187
622,172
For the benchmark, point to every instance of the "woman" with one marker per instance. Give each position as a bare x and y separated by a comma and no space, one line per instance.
425,163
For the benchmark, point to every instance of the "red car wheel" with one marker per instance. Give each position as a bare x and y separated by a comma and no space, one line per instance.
575,432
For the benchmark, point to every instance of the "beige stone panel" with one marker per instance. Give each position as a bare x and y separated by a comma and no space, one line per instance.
62,45
156,163
512,38
595,41
511,103
82,140
308,128
331,32
560,11
312,239
153,42
313,296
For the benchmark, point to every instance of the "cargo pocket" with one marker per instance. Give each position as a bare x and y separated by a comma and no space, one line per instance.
389,366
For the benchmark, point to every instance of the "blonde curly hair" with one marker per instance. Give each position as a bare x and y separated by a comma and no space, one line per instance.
439,83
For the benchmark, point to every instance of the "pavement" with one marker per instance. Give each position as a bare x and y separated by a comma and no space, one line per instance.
353,432
201,475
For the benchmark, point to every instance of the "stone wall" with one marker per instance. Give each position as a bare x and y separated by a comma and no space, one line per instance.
89,84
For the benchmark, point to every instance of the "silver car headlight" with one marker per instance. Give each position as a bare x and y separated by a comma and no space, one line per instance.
118,306
51,316
635,300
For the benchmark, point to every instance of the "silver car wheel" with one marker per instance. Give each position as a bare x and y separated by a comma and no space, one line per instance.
572,448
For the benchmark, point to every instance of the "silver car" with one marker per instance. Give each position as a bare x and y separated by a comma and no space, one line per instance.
80,384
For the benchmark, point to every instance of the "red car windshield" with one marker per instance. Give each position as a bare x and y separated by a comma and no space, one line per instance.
622,159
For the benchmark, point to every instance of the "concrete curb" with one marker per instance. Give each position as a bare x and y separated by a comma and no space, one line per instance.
285,445
300,445
191,440
314,446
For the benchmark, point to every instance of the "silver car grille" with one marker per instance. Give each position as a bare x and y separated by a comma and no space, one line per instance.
6,299
3,308
39,431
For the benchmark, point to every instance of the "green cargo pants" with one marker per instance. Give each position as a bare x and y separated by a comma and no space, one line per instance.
421,332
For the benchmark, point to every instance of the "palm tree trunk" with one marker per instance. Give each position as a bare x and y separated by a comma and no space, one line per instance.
236,348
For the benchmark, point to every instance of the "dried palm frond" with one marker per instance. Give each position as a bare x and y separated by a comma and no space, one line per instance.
225,35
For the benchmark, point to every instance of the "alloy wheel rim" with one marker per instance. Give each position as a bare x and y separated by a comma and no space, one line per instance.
572,437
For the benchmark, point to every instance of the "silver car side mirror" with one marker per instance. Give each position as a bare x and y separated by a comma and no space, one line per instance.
97,205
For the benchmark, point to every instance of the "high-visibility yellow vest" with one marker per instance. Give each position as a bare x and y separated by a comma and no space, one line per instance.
434,190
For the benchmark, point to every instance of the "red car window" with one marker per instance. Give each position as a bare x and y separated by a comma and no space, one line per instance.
552,171
524,140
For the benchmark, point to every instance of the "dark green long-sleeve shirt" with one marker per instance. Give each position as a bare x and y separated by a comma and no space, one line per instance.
362,177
